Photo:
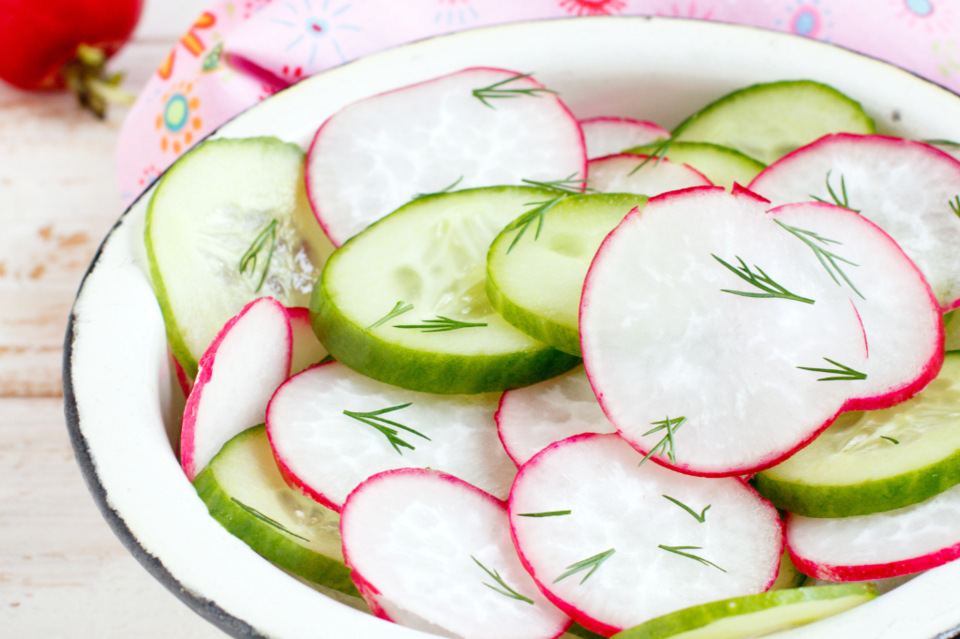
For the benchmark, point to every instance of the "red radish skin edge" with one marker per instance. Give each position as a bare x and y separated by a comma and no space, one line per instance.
316,137
930,371
365,587
204,374
578,615
288,475
869,403
645,124
496,418
853,136
742,190
184,381
874,571
638,156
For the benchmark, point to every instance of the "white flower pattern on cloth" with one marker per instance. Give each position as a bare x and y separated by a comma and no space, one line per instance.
239,52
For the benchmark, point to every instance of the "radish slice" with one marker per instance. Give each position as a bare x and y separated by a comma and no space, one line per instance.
889,544
455,131
609,136
682,302
667,347
238,373
904,187
902,323
614,542
530,419
344,419
307,349
434,553
620,174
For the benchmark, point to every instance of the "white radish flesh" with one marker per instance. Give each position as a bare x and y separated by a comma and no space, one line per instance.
307,349
609,136
888,544
904,187
641,174
532,418
901,320
665,341
647,540
434,553
477,127
236,377
326,452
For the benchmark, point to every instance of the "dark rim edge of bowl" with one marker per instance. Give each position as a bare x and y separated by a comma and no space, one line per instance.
208,609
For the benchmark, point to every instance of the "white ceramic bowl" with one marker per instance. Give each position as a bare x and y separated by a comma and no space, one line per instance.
116,374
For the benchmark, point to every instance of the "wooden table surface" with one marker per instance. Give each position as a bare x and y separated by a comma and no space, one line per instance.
62,571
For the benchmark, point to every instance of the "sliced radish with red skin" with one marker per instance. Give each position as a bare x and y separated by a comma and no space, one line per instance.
451,132
609,136
669,344
615,542
531,418
236,377
888,544
326,452
432,552
307,349
901,319
904,187
620,174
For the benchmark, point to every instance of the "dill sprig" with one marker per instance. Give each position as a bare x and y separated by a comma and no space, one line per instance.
249,259
569,184
702,517
889,439
441,324
666,444
551,513
761,281
507,590
841,372
955,205
944,142
679,550
591,562
445,189
267,520
826,258
844,202
564,188
659,152
495,90
535,215
384,425
399,309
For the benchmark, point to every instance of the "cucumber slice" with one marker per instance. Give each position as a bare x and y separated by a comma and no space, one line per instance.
767,121
534,278
721,165
876,461
423,266
754,615
244,491
230,222
951,330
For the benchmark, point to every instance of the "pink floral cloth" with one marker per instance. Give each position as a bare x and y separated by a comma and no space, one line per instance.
242,51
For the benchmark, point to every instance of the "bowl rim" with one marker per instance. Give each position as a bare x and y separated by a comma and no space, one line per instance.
209,609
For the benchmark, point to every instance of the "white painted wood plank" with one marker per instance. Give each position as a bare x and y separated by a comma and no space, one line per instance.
62,571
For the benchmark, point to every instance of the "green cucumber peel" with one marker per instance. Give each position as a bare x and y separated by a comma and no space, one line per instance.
721,165
875,461
240,510
228,223
445,342
769,120
534,280
753,615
